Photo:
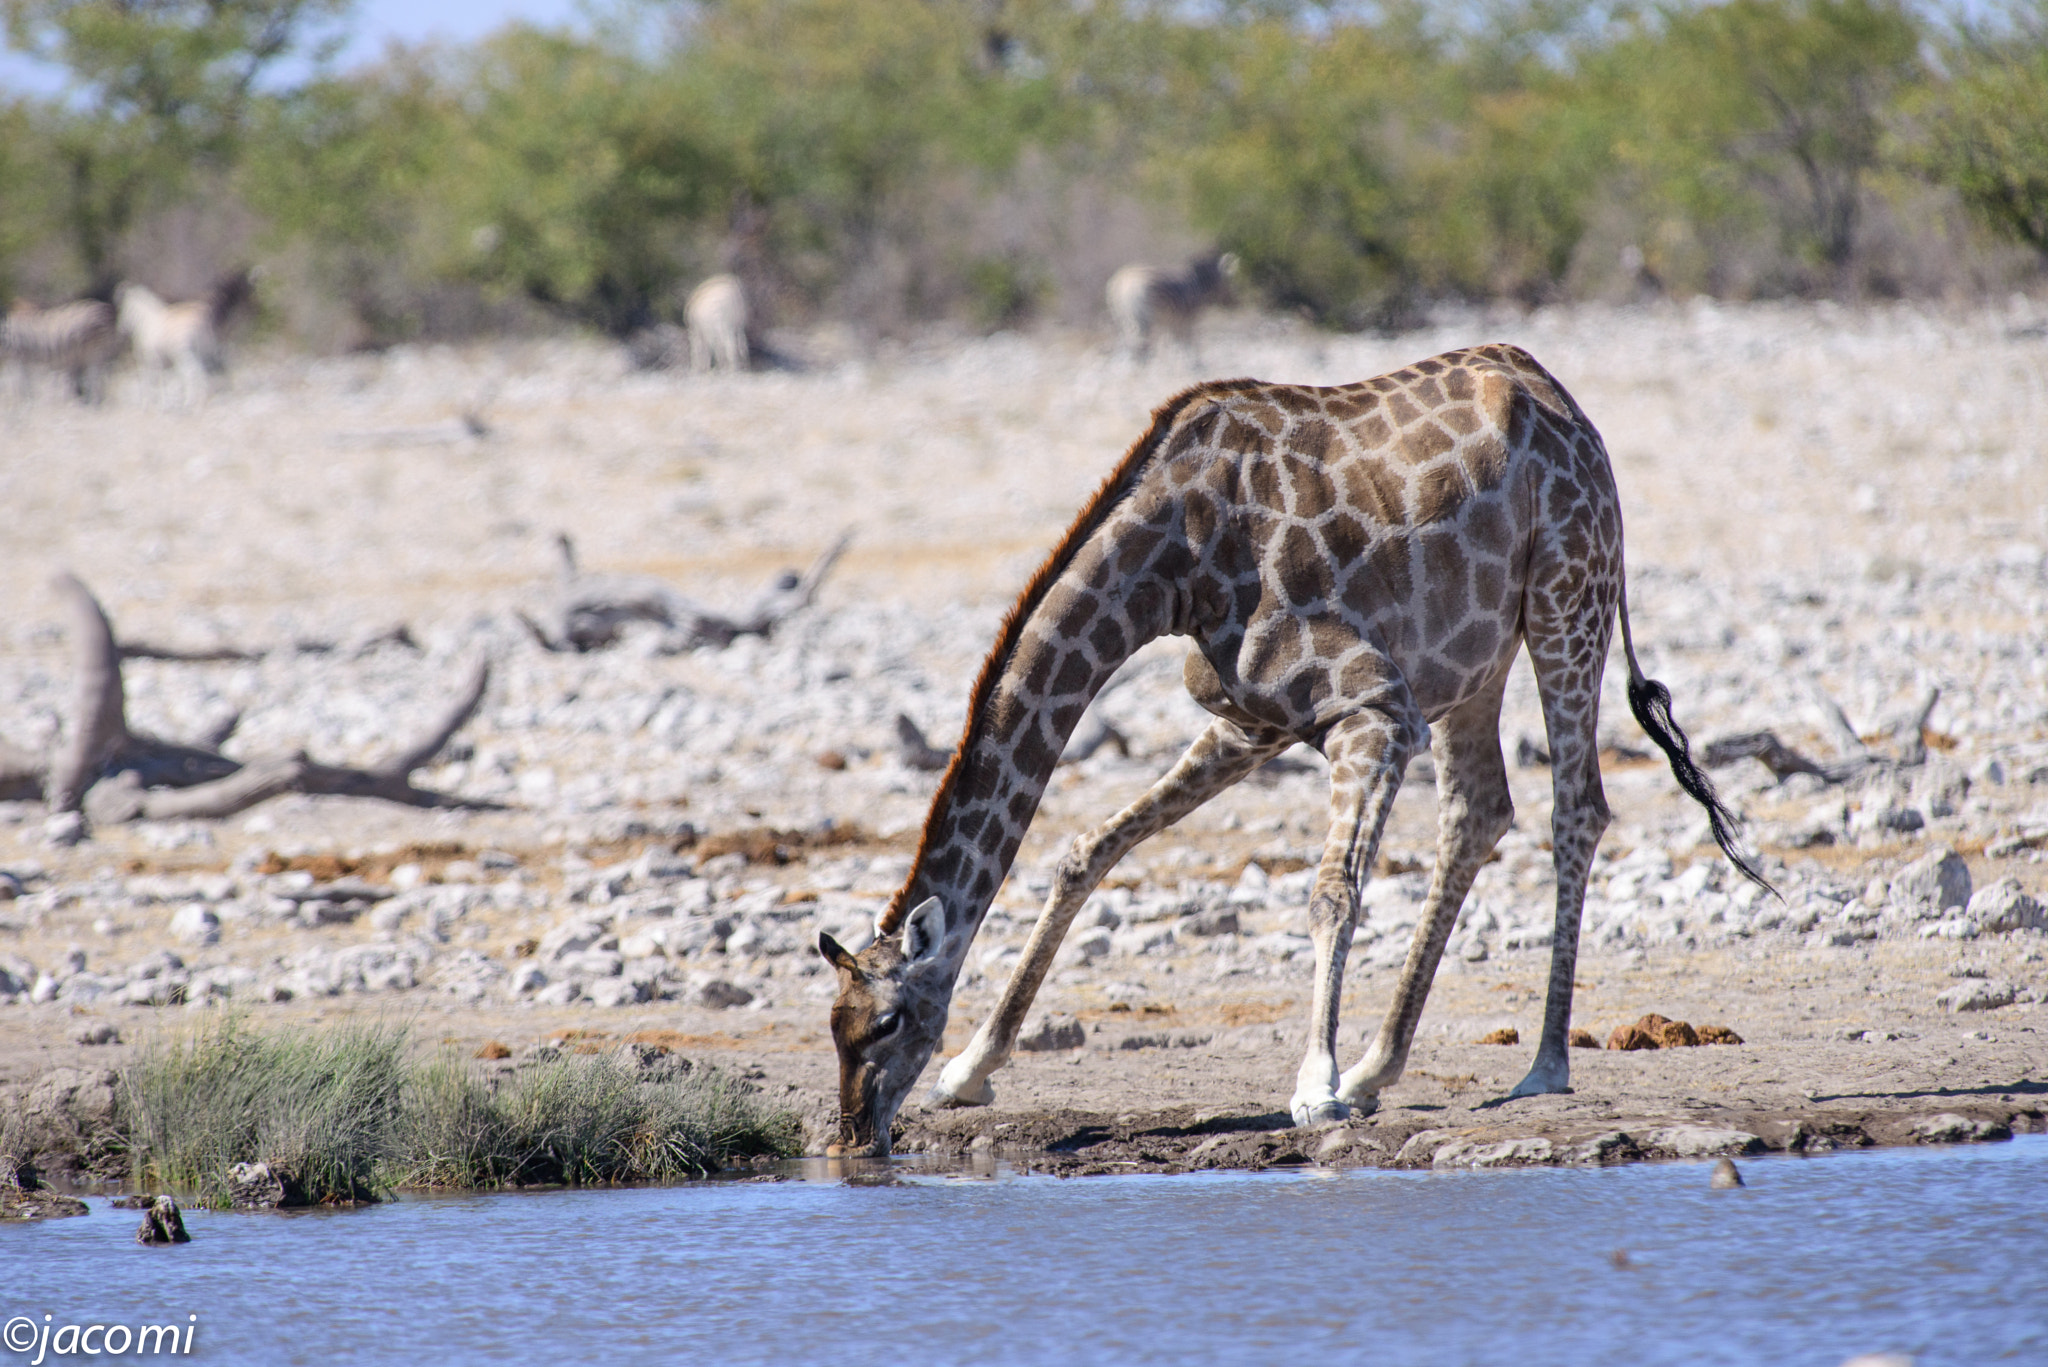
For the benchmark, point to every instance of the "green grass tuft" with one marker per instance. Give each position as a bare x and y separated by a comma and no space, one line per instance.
350,1114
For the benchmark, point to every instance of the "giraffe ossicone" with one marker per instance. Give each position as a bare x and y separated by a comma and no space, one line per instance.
1357,568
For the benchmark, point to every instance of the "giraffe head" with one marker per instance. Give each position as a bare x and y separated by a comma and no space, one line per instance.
886,1023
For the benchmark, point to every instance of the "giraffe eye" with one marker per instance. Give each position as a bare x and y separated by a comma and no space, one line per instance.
884,1027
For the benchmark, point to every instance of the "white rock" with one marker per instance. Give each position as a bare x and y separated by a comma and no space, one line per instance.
1938,879
618,992
573,937
1700,1141
1508,1153
1091,944
525,979
1972,995
2005,906
196,925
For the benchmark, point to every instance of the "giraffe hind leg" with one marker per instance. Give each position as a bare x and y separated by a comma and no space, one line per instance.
1569,652
1220,756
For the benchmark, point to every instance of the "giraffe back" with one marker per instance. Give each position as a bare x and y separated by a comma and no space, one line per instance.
1313,535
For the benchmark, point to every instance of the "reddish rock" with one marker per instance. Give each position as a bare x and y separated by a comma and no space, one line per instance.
1507,1034
492,1049
1718,1034
1584,1039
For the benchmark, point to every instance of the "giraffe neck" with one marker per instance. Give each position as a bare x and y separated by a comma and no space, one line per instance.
1012,743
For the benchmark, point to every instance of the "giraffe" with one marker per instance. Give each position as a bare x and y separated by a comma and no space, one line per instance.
1357,568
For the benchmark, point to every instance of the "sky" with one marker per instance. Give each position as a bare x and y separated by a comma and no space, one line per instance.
376,23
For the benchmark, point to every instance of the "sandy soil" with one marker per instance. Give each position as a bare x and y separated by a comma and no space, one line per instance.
1823,505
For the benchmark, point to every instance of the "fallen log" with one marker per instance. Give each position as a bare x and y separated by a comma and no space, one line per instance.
112,773
590,610
1906,737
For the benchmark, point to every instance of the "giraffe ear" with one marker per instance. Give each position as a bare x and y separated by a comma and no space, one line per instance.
837,954
924,930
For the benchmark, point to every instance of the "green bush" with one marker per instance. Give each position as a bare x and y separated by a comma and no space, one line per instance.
1988,140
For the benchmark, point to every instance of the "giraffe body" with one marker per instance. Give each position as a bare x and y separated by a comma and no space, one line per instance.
1356,567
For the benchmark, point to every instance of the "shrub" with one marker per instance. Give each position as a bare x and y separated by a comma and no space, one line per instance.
349,1115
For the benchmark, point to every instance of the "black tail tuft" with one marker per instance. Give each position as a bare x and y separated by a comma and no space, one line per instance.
1651,702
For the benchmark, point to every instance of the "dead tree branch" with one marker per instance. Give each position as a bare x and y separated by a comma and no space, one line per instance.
1906,738
112,773
591,609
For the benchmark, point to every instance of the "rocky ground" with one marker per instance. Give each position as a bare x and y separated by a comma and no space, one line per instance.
1833,515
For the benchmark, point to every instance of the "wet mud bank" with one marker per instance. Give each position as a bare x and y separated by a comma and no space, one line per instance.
1551,1133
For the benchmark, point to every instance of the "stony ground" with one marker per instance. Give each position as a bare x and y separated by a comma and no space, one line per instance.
1828,510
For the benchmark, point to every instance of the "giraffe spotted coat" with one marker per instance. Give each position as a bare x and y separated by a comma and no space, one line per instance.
1356,567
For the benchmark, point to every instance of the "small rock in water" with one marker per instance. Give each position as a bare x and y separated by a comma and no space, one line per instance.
162,1224
1726,1175
1879,1360
259,1186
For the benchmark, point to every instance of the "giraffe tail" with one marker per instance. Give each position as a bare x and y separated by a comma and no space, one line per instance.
1651,702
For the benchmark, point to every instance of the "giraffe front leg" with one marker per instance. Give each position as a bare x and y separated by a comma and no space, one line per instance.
1474,809
1219,757
1367,755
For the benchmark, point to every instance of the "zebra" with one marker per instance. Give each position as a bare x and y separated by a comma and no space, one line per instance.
78,338
1140,297
717,317
183,337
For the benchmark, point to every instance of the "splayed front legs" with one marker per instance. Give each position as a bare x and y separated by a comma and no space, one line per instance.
1220,756
1367,754
1474,810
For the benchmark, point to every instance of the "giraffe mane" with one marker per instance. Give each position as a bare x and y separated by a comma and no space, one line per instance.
1106,496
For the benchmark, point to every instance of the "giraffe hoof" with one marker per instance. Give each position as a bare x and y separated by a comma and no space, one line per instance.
1543,1082
976,1092
1320,1113
1361,1106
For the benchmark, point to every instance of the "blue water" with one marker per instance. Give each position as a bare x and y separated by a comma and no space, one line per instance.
1937,1254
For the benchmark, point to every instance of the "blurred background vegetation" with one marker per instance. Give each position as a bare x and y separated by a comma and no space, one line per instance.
890,162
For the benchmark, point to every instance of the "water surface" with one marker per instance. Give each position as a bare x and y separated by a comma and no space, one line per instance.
1940,1254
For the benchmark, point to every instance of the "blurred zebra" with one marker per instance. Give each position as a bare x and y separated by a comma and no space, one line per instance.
717,317
1141,297
78,339
182,338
